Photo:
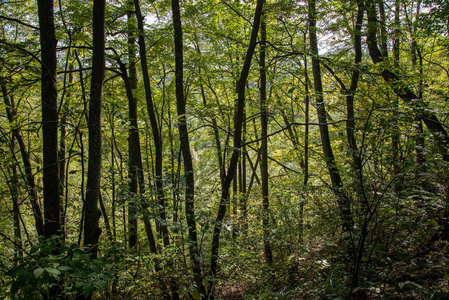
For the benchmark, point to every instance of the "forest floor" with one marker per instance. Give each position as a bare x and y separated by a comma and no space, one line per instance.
415,275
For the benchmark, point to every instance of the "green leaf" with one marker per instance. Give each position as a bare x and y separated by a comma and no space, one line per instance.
87,289
64,268
101,283
96,268
38,272
53,271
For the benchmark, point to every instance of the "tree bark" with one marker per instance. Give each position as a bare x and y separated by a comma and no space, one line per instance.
133,136
49,95
185,149
306,149
395,136
92,230
18,251
264,145
155,130
337,184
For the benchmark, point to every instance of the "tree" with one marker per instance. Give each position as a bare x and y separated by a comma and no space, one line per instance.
265,185
92,230
32,190
264,133
334,173
155,131
238,121
49,94
185,149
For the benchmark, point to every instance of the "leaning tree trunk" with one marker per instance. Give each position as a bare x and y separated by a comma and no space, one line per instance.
92,230
337,184
32,189
156,134
238,125
18,247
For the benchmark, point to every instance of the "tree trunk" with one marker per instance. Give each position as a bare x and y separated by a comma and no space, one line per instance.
18,251
32,189
155,130
264,152
133,137
306,150
185,149
337,184
63,161
395,126
92,230
239,113
49,94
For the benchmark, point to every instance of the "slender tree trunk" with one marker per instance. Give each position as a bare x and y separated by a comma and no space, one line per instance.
417,62
63,164
31,183
383,29
92,230
133,137
49,94
395,126
264,153
18,251
106,219
155,130
350,124
337,184
113,184
306,150
239,113
185,149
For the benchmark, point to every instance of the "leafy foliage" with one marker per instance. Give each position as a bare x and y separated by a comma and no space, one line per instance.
397,244
49,264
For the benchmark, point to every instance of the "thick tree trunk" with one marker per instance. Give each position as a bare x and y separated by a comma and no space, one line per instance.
49,94
92,230
337,184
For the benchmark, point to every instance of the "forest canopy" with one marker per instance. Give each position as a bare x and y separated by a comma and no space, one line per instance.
224,149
